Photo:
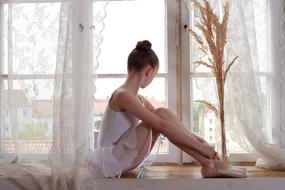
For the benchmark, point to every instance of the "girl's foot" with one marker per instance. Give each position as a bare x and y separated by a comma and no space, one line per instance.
208,151
216,168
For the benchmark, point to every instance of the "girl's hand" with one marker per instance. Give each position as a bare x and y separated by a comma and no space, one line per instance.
215,156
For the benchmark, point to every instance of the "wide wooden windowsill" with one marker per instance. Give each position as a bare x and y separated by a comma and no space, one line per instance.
192,171
165,177
188,177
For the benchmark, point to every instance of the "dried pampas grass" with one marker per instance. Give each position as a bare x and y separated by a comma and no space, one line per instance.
213,44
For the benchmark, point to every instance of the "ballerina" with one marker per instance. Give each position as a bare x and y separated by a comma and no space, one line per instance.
131,126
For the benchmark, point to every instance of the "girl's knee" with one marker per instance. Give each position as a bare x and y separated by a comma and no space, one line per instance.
162,112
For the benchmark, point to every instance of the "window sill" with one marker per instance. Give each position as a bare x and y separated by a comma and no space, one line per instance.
169,177
192,171
186,184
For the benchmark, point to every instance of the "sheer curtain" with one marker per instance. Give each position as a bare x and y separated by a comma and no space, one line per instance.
255,117
47,63
72,94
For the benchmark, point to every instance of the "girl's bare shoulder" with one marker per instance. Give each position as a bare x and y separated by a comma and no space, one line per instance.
114,100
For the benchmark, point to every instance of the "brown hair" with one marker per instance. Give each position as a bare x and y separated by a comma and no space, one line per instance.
142,56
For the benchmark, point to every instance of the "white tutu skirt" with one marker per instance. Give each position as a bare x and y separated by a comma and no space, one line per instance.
103,163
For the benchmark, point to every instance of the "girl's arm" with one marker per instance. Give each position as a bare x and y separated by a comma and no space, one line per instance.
151,108
147,104
128,102
200,139
131,104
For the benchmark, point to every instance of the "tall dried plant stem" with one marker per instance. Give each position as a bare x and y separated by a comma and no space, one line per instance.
213,43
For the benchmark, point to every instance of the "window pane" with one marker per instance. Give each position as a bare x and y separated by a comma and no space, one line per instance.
204,89
32,41
126,23
28,115
156,92
196,53
261,14
265,99
204,120
161,146
205,123
262,33
105,87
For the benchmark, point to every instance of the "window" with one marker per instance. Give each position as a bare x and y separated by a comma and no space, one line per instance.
121,34
32,37
30,33
199,82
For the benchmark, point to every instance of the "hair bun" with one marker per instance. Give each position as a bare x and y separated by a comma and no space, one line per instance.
143,45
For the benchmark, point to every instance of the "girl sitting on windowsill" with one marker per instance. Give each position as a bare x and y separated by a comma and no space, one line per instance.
131,126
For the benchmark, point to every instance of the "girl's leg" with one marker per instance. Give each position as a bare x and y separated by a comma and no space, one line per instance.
143,140
143,145
182,137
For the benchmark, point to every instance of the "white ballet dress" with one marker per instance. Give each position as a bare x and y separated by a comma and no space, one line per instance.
116,132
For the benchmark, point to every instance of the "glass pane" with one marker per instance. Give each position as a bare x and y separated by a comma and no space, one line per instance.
265,98
30,115
161,146
126,23
204,120
32,41
195,53
205,123
262,38
156,92
204,89
262,33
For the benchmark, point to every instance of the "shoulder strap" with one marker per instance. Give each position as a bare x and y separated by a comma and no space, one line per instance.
139,96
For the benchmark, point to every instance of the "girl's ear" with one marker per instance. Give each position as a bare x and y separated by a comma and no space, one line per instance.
148,70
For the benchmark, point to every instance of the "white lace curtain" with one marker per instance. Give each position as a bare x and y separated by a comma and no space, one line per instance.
255,116
47,85
254,97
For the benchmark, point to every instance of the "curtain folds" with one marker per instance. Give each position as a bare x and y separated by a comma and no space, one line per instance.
67,135
254,120
254,96
73,98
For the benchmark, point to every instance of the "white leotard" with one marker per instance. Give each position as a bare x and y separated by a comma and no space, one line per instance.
114,125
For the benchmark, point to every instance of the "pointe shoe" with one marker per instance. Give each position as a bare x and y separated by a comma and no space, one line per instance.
227,172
